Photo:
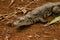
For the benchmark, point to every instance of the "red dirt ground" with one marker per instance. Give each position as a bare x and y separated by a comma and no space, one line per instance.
33,32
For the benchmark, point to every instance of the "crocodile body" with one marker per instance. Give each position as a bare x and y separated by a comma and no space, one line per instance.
38,14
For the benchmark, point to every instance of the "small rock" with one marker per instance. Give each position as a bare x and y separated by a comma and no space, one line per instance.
55,39
30,36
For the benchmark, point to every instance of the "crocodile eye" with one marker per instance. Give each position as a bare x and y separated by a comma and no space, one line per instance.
20,19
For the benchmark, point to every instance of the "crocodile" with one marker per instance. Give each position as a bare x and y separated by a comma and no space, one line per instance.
39,14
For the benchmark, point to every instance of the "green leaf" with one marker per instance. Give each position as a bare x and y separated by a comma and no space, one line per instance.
53,21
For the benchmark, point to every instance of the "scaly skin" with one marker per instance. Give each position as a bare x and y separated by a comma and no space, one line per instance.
38,14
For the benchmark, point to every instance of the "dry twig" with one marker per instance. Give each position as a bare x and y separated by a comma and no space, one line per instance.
6,16
24,9
11,3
